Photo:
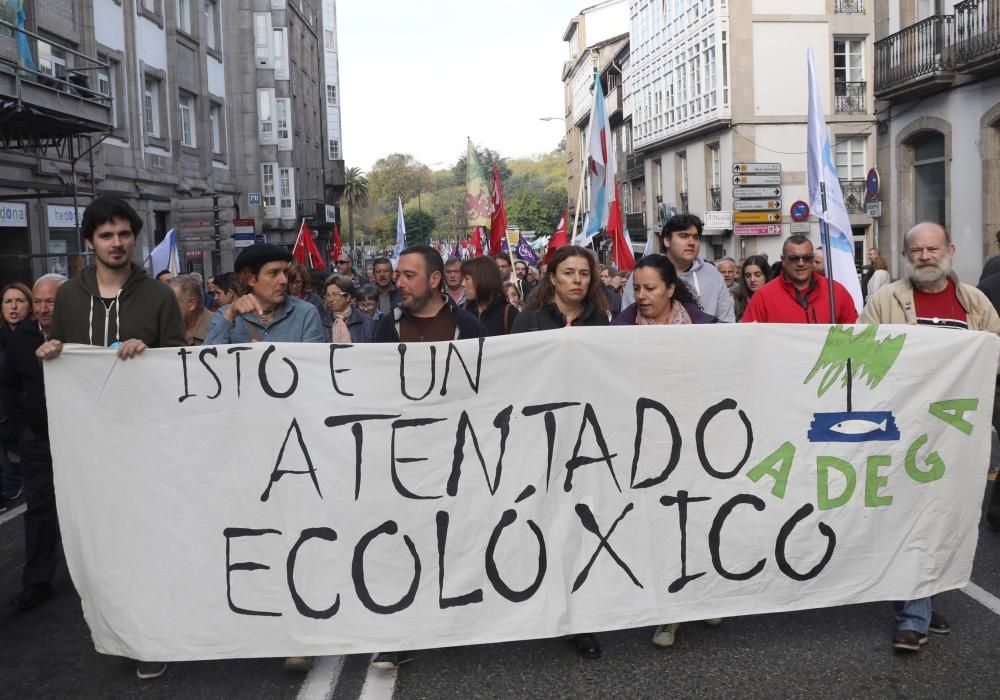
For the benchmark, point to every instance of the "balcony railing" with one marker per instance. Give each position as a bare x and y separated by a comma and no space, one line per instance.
977,30
683,196
849,97
922,49
854,195
849,7
635,167
716,193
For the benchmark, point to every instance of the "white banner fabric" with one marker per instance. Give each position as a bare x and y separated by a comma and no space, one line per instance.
294,499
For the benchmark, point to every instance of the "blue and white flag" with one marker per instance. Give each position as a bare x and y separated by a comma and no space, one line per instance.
601,164
165,256
823,170
24,56
400,229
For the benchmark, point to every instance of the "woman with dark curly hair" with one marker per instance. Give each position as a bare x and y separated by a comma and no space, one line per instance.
661,297
755,273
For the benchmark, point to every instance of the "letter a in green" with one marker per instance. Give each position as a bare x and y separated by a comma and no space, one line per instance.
784,454
953,413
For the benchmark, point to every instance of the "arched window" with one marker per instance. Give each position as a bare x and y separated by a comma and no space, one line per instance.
929,178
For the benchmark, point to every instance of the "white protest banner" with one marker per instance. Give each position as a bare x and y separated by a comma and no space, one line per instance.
272,500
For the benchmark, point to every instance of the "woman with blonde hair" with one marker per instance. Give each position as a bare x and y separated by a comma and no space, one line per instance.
880,277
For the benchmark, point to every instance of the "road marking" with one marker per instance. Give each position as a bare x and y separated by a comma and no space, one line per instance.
322,679
983,597
11,514
379,684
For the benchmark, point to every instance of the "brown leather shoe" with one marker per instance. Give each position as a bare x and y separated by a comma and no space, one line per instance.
908,640
939,625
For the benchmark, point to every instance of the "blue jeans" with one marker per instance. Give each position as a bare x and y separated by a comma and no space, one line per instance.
913,615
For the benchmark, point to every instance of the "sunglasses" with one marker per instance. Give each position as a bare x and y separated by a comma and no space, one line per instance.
796,259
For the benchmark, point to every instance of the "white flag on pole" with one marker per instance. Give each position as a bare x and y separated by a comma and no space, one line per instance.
822,169
164,255
400,229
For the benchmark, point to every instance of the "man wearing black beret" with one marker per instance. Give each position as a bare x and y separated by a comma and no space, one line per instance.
264,311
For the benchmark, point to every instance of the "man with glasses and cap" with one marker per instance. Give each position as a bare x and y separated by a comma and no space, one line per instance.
799,294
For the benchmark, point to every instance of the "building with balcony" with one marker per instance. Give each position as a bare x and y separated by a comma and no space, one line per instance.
705,96
287,151
127,99
937,75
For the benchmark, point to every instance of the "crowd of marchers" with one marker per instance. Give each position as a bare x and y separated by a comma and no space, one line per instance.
268,297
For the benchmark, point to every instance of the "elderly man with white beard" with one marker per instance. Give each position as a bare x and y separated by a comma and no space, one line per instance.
929,294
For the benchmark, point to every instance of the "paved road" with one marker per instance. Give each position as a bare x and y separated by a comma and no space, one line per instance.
832,653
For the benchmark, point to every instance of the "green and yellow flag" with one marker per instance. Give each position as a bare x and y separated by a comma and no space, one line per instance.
478,202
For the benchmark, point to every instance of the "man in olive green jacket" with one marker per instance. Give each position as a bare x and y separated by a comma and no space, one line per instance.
929,294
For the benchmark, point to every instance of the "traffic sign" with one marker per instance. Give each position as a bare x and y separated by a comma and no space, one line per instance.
718,220
873,209
765,230
872,183
756,204
757,217
756,192
254,199
756,180
743,168
799,211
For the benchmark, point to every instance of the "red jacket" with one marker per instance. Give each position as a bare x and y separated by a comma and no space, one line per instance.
779,302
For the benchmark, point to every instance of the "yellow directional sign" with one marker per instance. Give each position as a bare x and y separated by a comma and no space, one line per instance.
757,217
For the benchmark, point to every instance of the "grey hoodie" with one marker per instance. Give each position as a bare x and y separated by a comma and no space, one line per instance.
708,287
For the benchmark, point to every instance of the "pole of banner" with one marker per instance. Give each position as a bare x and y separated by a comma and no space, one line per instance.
824,235
579,202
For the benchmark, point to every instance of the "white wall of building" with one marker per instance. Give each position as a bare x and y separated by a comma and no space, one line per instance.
109,24
216,77
151,43
783,7
780,69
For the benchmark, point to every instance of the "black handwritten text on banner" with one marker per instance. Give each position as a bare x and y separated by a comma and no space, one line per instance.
270,500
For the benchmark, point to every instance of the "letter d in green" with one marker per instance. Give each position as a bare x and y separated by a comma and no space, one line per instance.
823,467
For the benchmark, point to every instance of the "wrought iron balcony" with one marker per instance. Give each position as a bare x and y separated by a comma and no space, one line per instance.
635,222
854,195
977,35
849,97
716,193
635,166
683,196
917,60
849,7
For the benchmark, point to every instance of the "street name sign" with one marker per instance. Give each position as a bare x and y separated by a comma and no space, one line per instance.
744,168
717,220
757,217
756,192
758,230
757,204
739,180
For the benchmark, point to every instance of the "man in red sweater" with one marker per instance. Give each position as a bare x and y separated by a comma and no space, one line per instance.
799,294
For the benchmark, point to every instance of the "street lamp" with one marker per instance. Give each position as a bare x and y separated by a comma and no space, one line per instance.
551,119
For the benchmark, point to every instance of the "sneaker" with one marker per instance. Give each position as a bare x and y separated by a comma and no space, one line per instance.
908,640
390,660
713,621
300,664
147,670
665,635
938,624
31,597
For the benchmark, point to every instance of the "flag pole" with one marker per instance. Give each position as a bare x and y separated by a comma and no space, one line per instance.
824,237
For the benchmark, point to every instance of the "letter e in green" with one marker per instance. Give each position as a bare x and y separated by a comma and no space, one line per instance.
873,482
784,454
953,413
823,467
933,461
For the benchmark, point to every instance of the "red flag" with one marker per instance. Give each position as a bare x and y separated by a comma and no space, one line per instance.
477,242
305,250
558,240
498,220
621,251
338,247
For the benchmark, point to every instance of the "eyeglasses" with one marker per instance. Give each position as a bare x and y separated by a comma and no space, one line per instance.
334,295
932,251
796,259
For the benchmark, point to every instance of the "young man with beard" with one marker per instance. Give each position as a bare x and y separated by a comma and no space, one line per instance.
681,239
115,304
928,295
